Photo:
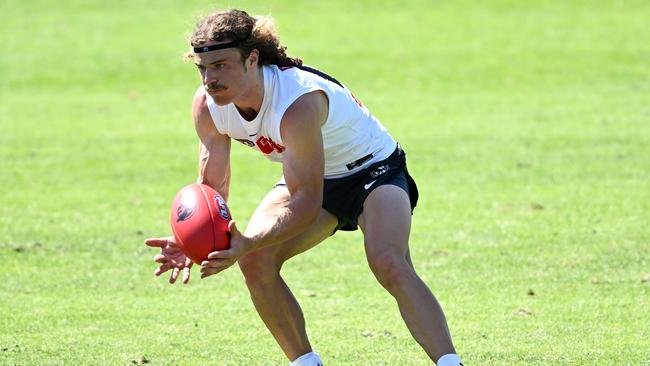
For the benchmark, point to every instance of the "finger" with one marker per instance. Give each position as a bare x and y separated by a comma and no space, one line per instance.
176,261
215,263
174,275
162,269
210,272
156,242
216,268
186,275
232,227
160,258
220,254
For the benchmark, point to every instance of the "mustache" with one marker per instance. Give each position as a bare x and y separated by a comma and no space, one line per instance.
212,87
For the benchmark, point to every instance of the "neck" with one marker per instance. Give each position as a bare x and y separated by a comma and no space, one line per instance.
250,103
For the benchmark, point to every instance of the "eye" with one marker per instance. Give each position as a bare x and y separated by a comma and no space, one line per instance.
200,67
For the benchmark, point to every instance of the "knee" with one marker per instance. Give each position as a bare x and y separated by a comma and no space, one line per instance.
391,270
258,270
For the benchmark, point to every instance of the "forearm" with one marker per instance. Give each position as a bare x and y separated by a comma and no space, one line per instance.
283,223
215,172
220,184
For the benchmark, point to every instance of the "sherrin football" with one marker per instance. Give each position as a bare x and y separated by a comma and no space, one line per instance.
199,220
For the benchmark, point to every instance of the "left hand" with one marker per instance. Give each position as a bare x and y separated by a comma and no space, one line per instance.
171,257
222,259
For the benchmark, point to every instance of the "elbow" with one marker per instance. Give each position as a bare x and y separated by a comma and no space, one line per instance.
311,212
314,212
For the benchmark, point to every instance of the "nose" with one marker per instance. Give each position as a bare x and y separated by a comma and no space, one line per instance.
209,76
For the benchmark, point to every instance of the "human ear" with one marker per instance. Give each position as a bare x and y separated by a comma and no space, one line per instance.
253,57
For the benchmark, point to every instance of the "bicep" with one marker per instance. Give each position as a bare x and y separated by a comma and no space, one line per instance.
304,159
214,150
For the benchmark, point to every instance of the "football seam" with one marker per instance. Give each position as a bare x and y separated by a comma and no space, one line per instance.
207,201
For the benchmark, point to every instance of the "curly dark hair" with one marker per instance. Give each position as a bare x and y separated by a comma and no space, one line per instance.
252,33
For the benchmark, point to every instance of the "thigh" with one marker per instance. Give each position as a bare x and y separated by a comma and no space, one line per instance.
386,222
274,201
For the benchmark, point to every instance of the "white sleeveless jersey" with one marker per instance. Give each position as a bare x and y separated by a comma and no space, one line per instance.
350,133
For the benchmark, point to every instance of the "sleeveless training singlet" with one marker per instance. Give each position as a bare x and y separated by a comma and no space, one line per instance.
352,137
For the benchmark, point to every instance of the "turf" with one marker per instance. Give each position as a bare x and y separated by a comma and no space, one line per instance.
527,126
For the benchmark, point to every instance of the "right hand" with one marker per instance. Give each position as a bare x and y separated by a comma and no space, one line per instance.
171,257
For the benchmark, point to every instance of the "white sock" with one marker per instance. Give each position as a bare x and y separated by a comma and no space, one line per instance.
308,359
451,359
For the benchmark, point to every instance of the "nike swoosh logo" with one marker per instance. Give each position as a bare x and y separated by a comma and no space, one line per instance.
369,184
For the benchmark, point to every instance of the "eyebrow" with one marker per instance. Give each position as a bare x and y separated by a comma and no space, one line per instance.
213,62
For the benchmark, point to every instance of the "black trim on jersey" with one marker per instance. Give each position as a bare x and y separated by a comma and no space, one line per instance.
320,73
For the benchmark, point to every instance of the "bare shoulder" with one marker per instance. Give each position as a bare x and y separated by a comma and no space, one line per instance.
200,108
310,109
311,105
201,113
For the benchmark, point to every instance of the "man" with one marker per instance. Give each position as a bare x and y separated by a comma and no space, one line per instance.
341,169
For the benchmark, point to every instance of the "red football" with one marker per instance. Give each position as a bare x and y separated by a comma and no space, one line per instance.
199,220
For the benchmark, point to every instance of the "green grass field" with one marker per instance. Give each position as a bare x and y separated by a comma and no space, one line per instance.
527,126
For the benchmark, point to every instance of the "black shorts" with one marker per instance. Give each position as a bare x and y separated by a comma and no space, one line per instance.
344,197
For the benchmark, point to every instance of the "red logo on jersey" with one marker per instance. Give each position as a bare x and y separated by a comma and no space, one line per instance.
267,145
